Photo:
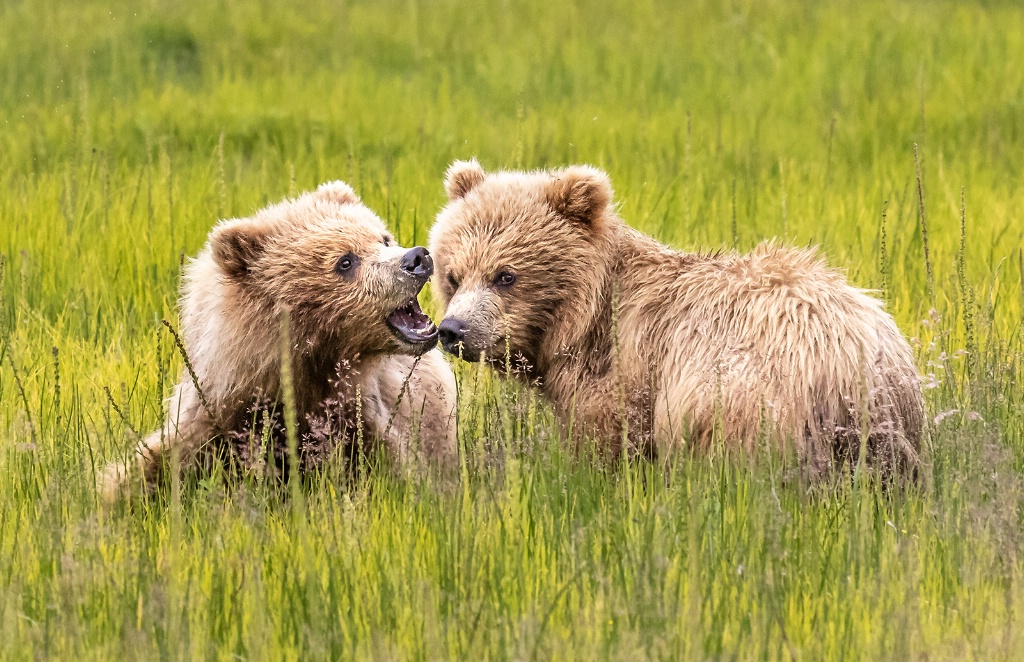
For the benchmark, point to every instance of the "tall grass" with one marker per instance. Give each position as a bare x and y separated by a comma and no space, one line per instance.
129,128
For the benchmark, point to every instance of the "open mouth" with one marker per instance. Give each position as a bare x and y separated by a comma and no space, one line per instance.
411,325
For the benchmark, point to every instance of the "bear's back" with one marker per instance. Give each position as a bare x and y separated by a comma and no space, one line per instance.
775,337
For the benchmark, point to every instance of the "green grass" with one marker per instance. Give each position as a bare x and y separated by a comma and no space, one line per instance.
129,128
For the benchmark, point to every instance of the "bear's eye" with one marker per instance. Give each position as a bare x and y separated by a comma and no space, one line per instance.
505,279
453,281
346,264
387,241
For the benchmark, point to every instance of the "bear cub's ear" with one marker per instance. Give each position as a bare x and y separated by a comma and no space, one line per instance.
338,192
580,193
237,244
462,177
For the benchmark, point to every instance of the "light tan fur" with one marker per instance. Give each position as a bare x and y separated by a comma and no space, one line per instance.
623,333
233,295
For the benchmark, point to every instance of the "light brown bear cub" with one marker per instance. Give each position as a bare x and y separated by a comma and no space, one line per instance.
350,292
625,334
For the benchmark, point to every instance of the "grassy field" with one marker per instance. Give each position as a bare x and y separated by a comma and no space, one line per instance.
128,128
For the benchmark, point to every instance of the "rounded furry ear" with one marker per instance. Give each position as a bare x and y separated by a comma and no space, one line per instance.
236,245
462,177
580,193
337,191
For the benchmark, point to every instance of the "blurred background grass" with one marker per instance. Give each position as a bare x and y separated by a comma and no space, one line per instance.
129,128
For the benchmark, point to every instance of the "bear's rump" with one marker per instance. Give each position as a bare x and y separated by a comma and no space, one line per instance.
804,379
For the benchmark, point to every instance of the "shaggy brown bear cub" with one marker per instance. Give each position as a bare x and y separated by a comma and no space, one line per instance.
625,334
355,326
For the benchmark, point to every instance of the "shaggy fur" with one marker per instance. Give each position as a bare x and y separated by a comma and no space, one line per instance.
284,258
624,334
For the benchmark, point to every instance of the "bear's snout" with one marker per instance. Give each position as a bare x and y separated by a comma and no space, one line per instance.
451,333
418,263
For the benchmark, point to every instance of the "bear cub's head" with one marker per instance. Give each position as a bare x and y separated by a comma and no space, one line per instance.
348,286
519,254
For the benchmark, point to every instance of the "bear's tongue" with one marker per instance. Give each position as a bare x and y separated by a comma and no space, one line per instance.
411,325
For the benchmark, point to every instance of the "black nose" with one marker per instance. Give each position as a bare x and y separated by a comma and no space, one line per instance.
417,262
451,332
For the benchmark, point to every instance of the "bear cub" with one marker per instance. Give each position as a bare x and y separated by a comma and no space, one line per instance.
632,340
361,347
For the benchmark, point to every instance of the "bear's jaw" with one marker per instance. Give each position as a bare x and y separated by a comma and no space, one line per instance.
411,326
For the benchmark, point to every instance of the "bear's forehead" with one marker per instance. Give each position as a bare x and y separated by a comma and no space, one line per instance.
479,252
354,221
512,188
493,210
505,221
320,230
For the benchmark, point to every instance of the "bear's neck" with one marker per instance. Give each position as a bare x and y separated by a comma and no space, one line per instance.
583,352
323,372
579,343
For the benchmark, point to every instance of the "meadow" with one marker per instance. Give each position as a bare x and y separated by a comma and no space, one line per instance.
889,133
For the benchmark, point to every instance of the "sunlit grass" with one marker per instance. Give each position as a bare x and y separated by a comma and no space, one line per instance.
129,128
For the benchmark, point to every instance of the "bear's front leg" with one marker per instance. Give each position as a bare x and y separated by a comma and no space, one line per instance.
409,404
187,427
614,413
